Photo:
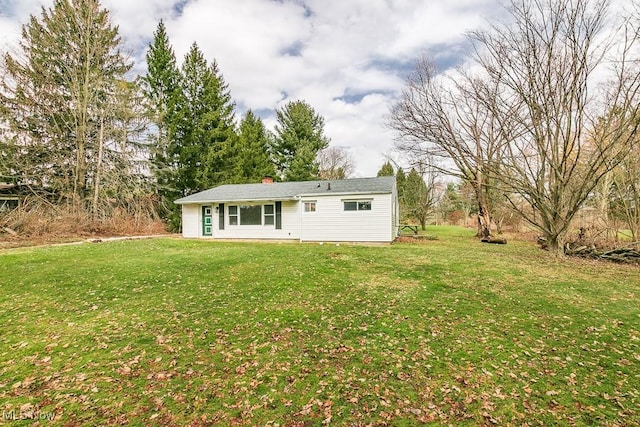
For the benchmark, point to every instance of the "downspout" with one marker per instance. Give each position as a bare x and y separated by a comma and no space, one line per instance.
300,210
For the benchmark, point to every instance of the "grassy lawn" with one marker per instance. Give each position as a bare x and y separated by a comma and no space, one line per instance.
447,331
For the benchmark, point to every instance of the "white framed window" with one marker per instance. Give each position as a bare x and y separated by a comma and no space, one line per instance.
269,215
357,205
310,206
233,215
252,215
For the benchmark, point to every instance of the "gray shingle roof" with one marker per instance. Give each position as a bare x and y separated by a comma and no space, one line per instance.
291,190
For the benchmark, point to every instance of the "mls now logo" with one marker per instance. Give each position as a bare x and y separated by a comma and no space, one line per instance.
27,415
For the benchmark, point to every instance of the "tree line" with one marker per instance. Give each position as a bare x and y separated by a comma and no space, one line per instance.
84,134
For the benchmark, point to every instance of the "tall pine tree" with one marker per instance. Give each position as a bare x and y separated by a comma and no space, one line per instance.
299,136
252,158
220,124
160,86
55,93
202,131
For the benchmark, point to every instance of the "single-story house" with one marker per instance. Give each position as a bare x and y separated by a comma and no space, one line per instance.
347,210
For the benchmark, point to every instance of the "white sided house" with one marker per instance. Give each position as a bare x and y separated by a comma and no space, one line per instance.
347,210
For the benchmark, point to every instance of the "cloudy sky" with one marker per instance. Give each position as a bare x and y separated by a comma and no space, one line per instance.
346,58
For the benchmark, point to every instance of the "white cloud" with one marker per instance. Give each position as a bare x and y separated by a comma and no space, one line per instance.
12,15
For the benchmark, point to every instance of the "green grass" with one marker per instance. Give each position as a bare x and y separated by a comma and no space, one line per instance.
449,331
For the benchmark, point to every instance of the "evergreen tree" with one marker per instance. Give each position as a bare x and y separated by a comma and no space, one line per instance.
386,170
299,136
219,124
401,180
202,130
55,93
418,198
8,159
450,202
160,87
303,165
118,174
252,157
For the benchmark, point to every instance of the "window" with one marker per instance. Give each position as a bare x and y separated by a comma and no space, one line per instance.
250,215
309,206
350,206
233,215
269,215
364,205
357,205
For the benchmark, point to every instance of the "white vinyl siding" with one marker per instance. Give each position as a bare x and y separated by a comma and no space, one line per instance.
332,223
191,220
290,223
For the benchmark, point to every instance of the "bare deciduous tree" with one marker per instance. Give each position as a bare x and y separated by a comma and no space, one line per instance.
335,163
544,66
442,117
538,116
623,193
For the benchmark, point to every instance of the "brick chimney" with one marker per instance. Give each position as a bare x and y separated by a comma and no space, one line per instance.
267,180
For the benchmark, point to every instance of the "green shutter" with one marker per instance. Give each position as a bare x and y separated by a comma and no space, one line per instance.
278,215
221,216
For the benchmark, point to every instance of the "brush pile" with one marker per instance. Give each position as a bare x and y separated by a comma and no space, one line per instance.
625,254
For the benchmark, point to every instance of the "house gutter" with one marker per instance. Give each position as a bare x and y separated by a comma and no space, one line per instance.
347,193
199,202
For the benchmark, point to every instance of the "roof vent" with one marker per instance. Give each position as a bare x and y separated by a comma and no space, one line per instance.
328,186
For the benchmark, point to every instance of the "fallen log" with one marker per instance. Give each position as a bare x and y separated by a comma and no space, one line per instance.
494,240
10,231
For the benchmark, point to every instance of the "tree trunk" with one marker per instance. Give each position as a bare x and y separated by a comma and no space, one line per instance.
499,223
555,245
603,205
80,174
96,183
484,215
484,223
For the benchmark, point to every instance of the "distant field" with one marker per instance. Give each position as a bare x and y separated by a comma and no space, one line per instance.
178,332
